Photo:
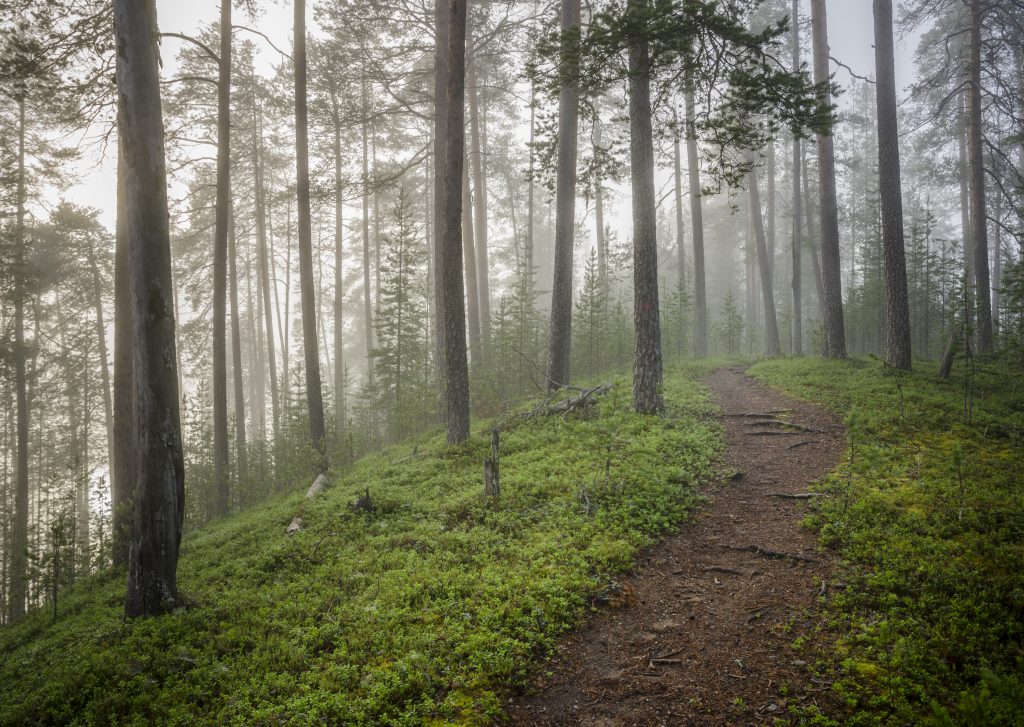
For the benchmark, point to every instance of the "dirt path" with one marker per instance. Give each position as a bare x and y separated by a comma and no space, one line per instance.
724,620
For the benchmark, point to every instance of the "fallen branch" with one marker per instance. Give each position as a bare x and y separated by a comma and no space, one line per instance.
318,486
797,496
665,662
766,553
771,434
800,444
546,408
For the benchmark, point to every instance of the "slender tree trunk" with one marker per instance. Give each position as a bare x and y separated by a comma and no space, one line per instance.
440,155
835,333
101,340
771,326
479,203
367,306
221,456
339,286
560,345
159,492
469,261
897,307
264,258
19,561
647,362
530,206
450,233
241,443
314,397
976,162
677,179
798,325
700,304
770,208
602,242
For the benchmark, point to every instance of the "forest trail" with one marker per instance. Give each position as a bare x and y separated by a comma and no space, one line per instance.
723,620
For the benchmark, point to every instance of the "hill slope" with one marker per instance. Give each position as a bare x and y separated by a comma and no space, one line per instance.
424,610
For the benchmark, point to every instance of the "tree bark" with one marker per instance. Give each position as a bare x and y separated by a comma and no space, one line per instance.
599,236
19,560
647,361
771,325
122,468
440,145
339,285
221,456
241,443
476,357
798,324
897,306
976,162
367,306
450,221
700,304
159,491
560,341
479,205
264,258
835,333
314,397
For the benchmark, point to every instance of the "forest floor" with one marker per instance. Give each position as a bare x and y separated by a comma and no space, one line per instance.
706,627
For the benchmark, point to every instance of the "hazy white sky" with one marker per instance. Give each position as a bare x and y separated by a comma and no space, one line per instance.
850,34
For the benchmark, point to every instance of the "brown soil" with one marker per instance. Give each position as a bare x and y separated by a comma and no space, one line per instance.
723,619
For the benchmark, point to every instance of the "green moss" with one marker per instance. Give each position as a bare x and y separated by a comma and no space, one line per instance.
429,609
927,511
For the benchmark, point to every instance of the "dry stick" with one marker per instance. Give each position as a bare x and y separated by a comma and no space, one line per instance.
786,425
766,553
797,496
800,444
665,662
771,434
722,569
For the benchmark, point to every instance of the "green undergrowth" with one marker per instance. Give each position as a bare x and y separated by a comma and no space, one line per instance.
429,609
927,511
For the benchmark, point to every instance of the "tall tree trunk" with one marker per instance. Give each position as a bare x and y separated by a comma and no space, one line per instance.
221,456
19,561
123,466
367,306
469,261
771,325
101,340
241,444
479,202
601,240
976,162
530,203
314,397
450,225
339,285
159,491
700,301
677,180
647,361
263,257
440,146
770,209
835,333
897,306
560,342
798,324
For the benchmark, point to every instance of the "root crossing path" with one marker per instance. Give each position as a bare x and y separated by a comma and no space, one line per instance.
705,631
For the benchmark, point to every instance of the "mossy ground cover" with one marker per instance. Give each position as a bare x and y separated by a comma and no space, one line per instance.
429,609
927,511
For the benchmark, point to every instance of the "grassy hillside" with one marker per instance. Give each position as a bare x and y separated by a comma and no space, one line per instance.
425,610
928,513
